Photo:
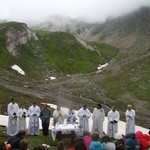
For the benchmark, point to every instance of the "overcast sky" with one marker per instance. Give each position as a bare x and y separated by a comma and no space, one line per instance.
93,10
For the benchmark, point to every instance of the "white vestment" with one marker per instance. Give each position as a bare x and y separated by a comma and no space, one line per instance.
98,119
71,116
34,113
130,121
21,123
58,116
12,110
84,116
112,128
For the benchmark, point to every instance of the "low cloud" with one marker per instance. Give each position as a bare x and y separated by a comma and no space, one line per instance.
93,10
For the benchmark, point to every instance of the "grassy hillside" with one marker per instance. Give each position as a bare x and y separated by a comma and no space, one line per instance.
132,78
53,51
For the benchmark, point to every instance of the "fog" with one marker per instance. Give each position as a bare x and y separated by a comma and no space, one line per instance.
92,10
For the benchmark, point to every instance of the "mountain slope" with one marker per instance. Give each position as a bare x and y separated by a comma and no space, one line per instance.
126,31
46,51
124,81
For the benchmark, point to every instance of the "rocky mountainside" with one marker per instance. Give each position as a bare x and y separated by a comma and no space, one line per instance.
41,54
124,32
66,24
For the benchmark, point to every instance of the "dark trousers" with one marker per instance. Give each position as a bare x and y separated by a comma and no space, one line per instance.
45,127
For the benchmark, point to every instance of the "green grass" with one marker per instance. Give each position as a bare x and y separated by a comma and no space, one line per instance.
134,78
32,140
54,51
107,51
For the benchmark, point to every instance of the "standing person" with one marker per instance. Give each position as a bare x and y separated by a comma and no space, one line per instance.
45,116
21,114
34,113
130,120
98,119
113,119
58,115
71,116
84,114
12,110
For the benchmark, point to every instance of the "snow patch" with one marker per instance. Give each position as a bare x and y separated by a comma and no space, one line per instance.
52,78
102,66
17,68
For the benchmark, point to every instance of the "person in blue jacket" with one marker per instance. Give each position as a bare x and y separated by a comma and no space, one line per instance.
45,116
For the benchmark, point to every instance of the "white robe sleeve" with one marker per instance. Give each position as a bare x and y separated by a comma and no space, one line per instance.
88,113
117,116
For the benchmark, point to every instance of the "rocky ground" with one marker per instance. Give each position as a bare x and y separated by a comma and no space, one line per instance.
67,91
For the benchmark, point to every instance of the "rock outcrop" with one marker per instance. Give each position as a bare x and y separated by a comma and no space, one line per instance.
15,36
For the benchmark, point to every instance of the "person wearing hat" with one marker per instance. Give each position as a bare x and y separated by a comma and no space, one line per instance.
98,119
84,114
119,139
113,119
130,120
131,142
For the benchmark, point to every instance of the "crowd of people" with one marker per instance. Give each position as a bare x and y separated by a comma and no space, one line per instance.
96,140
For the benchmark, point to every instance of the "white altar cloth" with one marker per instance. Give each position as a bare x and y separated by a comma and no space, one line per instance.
65,129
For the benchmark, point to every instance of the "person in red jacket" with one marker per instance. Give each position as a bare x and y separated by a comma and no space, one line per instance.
147,137
144,144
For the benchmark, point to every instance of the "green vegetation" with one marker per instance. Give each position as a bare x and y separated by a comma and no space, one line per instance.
53,51
61,53
33,140
133,78
107,51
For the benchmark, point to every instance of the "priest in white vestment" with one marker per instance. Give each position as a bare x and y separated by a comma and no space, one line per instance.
98,119
71,116
33,113
130,120
113,119
84,114
58,116
12,110
22,115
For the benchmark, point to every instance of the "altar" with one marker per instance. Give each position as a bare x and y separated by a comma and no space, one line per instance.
61,131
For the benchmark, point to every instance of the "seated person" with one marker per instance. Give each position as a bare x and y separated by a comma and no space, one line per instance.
95,145
80,146
42,147
107,144
119,139
23,145
15,140
60,145
121,147
87,138
131,142
2,146
147,137
143,143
